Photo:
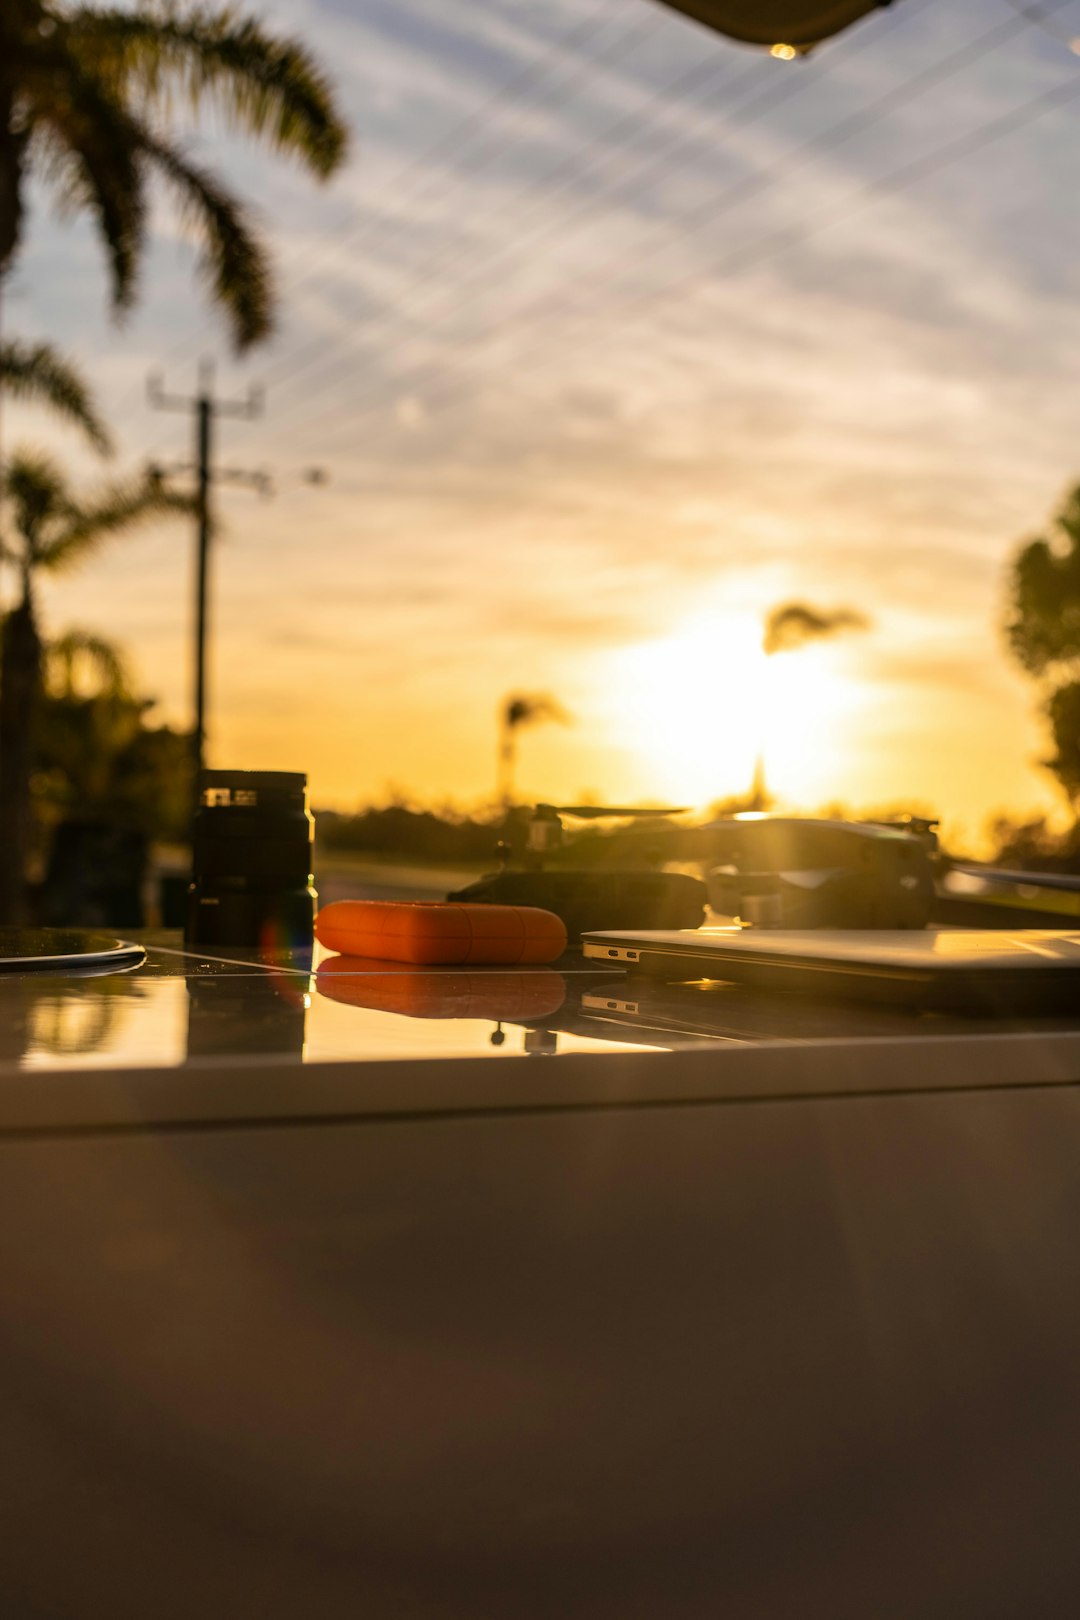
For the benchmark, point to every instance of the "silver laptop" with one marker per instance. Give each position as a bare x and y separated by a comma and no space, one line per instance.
986,970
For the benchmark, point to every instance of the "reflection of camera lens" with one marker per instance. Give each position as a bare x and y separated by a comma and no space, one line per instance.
250,1013
252,838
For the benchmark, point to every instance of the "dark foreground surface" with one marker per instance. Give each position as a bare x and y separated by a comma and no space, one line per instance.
764,1326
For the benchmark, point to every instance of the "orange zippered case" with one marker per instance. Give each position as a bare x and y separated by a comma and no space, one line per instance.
429,933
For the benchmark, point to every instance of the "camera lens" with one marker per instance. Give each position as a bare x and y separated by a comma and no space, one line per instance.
252,858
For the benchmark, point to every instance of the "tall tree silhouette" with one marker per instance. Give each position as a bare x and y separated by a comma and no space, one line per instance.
87,96
47,527
1042,625
517,711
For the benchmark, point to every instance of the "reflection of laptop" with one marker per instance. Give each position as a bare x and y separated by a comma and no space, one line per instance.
986,970
711,1011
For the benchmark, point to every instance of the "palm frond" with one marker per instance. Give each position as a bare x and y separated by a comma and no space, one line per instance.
232,258
31,467
34,372
89,145
37,494
114,510
262,84
12,209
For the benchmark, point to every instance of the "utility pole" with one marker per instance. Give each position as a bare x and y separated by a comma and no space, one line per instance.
206,408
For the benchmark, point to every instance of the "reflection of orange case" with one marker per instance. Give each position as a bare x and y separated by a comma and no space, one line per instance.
440,995
427,933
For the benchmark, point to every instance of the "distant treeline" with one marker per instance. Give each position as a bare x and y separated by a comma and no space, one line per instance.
1031,846
449,837
452,838
413,834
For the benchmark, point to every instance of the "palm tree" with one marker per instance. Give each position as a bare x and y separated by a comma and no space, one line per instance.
49,528
78,654
85,94
97,756
517,711
87,716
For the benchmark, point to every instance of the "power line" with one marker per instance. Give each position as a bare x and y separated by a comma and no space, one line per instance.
775,92
722,199
455,142
565,175
899,180
433,265
1037,16
446,147
699,74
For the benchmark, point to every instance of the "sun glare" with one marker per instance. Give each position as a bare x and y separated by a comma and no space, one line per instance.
701,706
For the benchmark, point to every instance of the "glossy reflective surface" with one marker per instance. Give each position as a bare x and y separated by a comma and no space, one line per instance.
181,1007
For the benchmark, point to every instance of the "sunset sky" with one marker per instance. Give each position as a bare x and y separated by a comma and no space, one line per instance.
667,333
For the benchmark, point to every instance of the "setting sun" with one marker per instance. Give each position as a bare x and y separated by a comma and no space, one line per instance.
702,705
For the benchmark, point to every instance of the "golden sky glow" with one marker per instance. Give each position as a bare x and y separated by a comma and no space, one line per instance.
706,701
595,395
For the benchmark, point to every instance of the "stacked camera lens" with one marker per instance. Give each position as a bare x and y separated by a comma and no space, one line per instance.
252,861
